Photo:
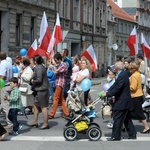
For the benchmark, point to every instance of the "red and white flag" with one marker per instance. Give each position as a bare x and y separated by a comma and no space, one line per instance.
132,42
90,55
40,52
31,51
56,36
145,47
44,39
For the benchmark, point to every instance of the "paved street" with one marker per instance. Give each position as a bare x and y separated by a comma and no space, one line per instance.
35,139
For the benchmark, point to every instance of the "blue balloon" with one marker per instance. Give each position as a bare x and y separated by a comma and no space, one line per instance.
15,69
86,84
106,86
23,52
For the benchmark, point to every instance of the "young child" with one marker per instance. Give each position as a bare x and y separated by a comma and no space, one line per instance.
51,79
15,105
75,73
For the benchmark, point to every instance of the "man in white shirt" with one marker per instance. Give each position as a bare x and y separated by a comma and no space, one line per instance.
142,64
6,73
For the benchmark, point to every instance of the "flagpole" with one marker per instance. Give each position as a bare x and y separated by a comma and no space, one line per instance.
145,59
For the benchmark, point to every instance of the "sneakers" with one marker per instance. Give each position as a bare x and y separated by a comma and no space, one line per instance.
20,127
14,133
4,135
110,125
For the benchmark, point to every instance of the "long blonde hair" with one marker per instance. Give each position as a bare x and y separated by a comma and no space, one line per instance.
87,63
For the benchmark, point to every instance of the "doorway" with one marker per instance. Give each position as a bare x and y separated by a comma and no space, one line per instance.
75,49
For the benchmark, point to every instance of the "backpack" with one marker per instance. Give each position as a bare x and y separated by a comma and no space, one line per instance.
51,76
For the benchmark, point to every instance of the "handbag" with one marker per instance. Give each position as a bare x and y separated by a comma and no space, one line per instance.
23,88
106,110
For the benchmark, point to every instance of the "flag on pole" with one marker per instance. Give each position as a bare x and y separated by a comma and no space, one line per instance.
40,52
31,51
132,42
145,47
44,39
56,36
90,55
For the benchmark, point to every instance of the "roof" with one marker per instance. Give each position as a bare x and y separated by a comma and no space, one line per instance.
119,13
130,10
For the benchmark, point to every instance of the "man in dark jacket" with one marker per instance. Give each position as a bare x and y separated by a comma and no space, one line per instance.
123,103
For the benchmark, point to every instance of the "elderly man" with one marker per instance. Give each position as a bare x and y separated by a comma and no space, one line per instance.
121,114
5,73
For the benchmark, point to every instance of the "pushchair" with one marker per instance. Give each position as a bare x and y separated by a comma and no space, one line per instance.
146,107
81,120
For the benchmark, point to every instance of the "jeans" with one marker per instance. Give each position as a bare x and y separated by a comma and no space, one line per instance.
51,90
66,88
12,115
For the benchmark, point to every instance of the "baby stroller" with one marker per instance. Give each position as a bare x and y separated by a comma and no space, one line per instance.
146,107
81,120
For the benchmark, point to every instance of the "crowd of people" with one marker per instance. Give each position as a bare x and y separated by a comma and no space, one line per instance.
40,82
128,90
37,83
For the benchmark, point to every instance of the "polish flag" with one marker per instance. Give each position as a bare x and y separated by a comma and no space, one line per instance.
31,51
44,39
56,36
132,42
40,52
145,47
90,55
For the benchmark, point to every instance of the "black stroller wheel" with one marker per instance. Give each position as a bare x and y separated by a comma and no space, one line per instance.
94,133
70,133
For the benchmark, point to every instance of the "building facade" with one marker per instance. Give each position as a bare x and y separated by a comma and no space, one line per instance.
126,3
83,22
86,23
20,23
123,25
140,11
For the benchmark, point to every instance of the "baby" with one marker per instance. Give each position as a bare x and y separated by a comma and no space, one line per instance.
75,73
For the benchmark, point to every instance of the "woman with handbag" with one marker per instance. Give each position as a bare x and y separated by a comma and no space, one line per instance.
41,87
25,88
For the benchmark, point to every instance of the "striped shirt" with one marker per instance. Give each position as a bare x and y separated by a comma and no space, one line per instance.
61,75
15,98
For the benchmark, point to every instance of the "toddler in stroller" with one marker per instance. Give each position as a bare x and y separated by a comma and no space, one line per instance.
81,120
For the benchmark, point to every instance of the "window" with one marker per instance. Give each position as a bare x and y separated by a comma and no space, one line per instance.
85,12
18,22
66,8
76,10
125,28
98,17
32,29
60,7
90,12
